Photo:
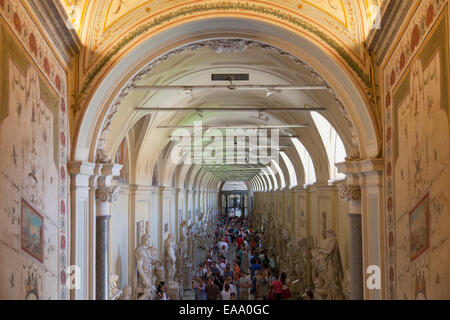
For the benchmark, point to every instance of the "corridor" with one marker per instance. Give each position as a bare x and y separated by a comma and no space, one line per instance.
134,133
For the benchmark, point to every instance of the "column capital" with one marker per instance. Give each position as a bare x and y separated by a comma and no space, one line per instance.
107,194
80,175
166,190
349,192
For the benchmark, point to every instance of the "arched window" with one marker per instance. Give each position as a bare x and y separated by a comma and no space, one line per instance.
234,186
256,184
310,173
283,182
292,174
275,181
268,179
263,182
333,144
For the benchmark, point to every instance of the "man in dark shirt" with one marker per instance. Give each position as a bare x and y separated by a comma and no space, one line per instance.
218,281
212,291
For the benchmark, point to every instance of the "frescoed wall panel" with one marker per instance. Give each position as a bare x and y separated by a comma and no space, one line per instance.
33,179
417,135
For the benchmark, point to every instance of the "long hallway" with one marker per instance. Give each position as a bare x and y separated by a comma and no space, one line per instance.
127,128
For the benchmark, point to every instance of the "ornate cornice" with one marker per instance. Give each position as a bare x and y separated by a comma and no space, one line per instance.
55,20
380,40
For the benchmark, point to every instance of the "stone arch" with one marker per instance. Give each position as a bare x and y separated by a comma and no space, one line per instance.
102,105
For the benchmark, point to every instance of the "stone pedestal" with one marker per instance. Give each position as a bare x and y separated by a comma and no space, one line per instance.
174,291
187,277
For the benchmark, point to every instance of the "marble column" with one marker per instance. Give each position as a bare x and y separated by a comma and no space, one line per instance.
352,193
356,259
102,265
82,253
104,196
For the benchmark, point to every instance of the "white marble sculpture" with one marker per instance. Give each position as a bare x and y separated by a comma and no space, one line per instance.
191,243
331,265
145,256
183,243
160,273
170,259
114,291
346,285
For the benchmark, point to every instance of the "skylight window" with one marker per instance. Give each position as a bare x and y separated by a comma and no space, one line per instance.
292,174
333,144
310,173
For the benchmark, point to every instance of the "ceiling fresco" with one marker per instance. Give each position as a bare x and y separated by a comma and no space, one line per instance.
108,29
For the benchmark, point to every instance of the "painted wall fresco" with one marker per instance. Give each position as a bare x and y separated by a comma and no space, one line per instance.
417,153
33,188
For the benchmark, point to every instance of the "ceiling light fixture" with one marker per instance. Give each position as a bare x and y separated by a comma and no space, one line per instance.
234,87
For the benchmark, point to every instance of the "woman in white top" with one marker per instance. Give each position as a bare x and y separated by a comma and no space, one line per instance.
226,292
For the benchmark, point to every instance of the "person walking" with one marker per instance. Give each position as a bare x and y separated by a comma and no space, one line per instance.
212,290
199,288
245,284
226,292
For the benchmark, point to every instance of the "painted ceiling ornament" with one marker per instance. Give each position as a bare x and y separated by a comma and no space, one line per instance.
102,157
353,154
349,192
224,44
229,45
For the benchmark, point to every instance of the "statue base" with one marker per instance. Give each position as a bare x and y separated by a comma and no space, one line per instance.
187,277
174,291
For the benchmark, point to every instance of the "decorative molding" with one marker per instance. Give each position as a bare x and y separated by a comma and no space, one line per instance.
56,22
226,6
349,192
219,44
110,195
380,40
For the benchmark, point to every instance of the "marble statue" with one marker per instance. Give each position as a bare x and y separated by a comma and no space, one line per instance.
346,285
114,291
283,248
293,254
160,273
145,256
321,289
183,243
170,259
307,267
191,242
331,266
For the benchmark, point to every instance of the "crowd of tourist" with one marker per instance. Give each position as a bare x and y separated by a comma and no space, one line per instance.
238,267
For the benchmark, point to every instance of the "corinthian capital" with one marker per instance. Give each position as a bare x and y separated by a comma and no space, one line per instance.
107,194
350,192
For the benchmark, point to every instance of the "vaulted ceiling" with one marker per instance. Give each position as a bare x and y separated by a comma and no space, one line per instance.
112,31
191,67
110,28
